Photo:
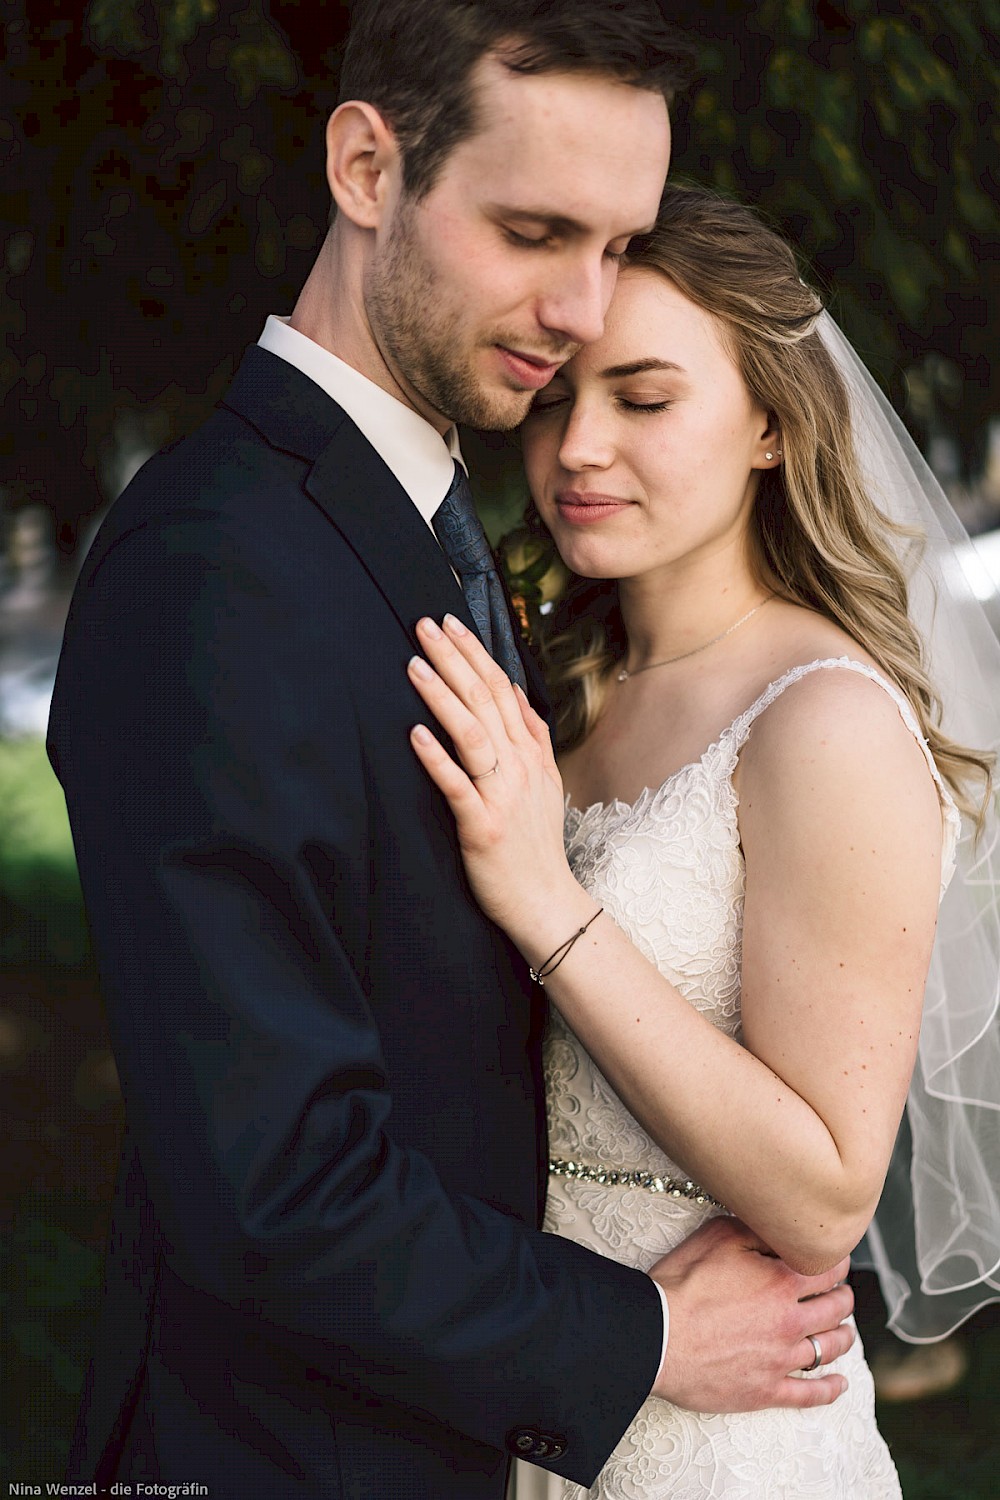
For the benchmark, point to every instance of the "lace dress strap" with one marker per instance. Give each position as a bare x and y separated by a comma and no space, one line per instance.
740,729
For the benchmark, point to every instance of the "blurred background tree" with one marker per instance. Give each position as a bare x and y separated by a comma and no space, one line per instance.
163,190
869,132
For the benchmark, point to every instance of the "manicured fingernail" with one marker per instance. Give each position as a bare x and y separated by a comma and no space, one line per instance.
454,626
421,735
429,628
419,667
520,690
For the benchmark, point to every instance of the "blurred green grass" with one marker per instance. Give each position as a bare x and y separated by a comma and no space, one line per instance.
948,1447
49,1291
41,909
49,1273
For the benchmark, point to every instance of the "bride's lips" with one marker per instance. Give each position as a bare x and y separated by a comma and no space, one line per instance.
585,509
527,369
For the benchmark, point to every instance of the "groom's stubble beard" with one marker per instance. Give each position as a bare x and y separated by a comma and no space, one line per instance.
418,333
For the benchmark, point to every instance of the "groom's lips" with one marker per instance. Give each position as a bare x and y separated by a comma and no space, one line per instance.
585,509
527,369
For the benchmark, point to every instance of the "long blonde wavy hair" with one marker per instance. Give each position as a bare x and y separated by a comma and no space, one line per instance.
818,538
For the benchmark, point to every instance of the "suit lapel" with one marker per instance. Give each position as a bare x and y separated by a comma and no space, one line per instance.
359,493
352,486
289,410
374,514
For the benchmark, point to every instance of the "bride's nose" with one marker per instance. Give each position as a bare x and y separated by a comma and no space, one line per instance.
587,440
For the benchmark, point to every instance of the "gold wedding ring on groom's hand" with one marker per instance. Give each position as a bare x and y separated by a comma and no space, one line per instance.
483,774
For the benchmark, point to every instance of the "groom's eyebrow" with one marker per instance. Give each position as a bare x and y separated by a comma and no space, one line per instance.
640,367
556,224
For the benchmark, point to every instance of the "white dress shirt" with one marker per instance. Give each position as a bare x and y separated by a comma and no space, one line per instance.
420,458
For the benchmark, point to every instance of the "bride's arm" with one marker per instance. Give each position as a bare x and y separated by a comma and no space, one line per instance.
842,842
841,830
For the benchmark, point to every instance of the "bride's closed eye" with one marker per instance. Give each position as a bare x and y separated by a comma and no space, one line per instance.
547,400
652,406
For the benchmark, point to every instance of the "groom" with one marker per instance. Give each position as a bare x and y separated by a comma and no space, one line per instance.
325,1276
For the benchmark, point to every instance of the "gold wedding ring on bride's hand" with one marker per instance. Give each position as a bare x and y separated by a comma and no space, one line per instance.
483,774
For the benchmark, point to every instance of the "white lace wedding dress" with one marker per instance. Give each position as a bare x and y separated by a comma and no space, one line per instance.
668,869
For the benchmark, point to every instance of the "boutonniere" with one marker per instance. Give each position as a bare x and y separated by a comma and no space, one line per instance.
534,573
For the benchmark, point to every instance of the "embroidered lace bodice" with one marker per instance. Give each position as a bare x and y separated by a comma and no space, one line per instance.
669,870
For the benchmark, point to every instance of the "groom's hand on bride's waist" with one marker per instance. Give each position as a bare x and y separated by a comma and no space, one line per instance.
742,1325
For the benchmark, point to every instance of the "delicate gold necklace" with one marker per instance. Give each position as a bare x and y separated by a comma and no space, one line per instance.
625,674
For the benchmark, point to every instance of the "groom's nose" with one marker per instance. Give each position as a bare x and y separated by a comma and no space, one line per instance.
576,301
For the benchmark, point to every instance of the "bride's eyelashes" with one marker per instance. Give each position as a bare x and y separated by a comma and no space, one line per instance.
551,402
650,406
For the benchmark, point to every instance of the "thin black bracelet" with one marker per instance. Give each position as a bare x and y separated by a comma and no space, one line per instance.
542,973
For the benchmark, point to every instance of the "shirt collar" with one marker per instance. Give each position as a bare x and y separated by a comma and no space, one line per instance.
421,459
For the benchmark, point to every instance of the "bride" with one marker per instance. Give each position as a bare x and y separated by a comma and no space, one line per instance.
734,910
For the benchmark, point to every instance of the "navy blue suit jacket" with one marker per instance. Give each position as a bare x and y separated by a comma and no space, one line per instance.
325,1275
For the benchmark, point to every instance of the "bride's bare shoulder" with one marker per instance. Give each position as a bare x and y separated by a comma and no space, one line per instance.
832,700
835,746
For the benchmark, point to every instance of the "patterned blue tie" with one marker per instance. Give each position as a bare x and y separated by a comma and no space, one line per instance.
460,532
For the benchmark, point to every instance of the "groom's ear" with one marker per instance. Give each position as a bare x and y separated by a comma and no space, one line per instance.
363,163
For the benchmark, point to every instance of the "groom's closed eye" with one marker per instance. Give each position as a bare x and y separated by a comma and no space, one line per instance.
535,230
529,242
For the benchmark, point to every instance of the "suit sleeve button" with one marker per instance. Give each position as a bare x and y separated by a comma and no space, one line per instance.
528,1442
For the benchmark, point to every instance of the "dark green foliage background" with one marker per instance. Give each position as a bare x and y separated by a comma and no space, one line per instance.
163,185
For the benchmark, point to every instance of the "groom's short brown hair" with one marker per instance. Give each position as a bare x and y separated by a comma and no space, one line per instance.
413,60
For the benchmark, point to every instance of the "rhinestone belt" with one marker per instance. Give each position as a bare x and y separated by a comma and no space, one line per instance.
673,1187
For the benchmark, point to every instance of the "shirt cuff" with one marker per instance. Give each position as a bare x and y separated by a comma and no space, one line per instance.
666,1325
